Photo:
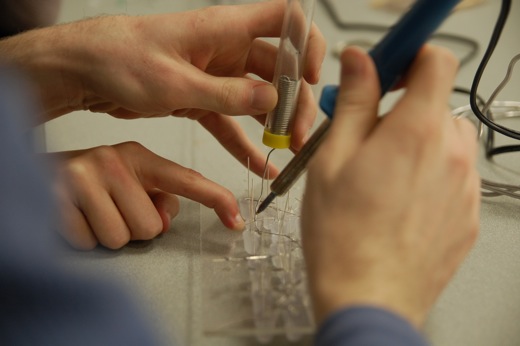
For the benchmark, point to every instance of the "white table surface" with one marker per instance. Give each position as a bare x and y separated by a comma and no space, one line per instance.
481,306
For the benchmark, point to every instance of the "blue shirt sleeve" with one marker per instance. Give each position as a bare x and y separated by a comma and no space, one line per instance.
41,302
367,326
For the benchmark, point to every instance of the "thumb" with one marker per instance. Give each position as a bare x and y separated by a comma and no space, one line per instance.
356,109
234,95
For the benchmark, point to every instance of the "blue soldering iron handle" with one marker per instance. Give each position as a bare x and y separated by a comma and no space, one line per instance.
396,51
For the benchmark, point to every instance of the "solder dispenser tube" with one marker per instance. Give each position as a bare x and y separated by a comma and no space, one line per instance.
288,72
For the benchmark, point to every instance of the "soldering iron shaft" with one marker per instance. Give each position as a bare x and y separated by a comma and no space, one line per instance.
295,167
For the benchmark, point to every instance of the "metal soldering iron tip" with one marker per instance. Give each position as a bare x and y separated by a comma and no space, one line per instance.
263,206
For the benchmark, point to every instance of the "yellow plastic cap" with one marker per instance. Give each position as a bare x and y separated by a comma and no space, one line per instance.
276,141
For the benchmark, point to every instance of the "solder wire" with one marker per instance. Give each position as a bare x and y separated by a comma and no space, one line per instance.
282,114
263,178
490,150
288,72
495,37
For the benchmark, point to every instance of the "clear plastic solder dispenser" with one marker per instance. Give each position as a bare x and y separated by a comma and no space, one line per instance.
288,72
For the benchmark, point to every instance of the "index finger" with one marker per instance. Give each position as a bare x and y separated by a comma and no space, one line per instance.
158,172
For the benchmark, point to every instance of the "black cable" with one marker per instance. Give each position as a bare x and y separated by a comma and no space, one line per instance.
495,37
503,150
475,100
490,149
490,140
333,14
490,189
462,90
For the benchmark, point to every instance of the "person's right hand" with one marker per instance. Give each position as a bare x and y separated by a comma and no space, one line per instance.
392,204
197,64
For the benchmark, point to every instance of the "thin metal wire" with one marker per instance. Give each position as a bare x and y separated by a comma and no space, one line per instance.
497,110
494,188
500,110
263,177
502,84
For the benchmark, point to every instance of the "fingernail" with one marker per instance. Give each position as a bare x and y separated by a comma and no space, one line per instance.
263,98
167,223
306,138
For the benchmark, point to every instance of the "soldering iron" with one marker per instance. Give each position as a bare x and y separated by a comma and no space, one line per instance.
392,57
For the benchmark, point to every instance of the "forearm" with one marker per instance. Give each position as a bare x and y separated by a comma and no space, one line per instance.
47,56
96,64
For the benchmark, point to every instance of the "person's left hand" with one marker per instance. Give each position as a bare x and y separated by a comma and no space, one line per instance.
110,195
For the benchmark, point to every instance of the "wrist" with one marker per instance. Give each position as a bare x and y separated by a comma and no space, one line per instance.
368,325
331,296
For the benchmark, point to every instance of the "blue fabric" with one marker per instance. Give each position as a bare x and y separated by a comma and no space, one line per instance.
41,304
367,326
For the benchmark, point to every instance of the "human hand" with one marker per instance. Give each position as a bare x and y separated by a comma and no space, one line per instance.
392,205
113,194
195,64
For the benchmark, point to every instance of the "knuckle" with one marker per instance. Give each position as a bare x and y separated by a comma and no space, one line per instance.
77,239
150,229
443,59
228,196
191,177
131,146
109,161
75,172
227,97
449,59
460,162
425,132
469,134
224,203
105,153
116,240
354,103
84,245
222,197
188,179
